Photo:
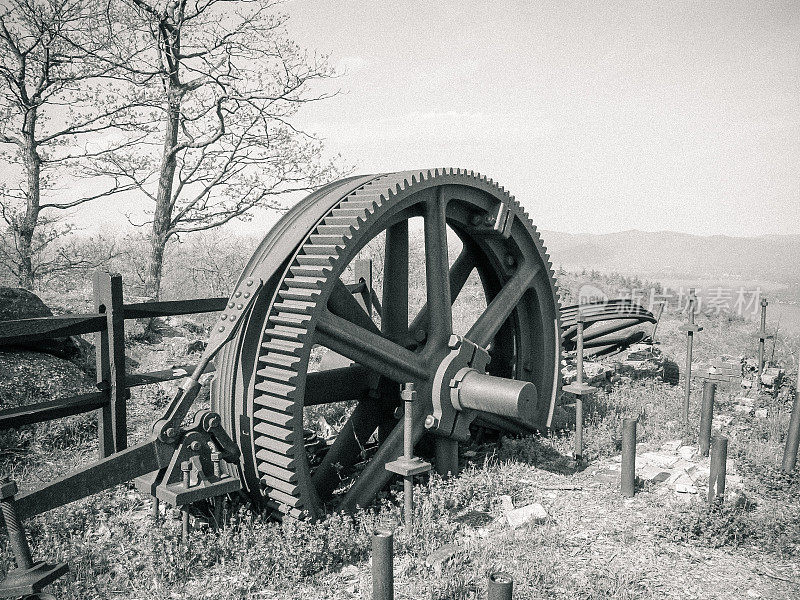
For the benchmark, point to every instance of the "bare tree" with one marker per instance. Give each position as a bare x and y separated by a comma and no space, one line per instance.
59,106
223,82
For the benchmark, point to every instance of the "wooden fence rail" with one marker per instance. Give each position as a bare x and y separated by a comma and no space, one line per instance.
113,383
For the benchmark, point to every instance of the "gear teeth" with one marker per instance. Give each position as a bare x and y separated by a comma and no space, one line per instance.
277,411
277,374
277,472
284,498
274,403
281,434
279,460
263,441
280,419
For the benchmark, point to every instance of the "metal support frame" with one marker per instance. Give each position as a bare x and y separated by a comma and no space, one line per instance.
690,328
579,389
408,465
762,337
110,357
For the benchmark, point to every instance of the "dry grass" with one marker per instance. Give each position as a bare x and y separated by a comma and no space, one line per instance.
594,545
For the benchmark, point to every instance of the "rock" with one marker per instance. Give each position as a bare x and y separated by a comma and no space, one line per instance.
652,474
687,452
721,421
441,555
532,513
685,488
506,503
745,401
761,413
656,459
28,377
349,572
19,303
196,346
743,409
671,446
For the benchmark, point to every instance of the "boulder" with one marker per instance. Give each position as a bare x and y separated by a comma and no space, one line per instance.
19,303
29,377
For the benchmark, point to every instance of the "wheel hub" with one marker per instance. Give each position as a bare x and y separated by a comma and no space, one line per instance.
461,387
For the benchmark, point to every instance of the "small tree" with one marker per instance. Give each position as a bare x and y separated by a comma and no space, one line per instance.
223,82
57,98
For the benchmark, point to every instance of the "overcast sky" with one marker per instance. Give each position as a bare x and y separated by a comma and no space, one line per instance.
598,116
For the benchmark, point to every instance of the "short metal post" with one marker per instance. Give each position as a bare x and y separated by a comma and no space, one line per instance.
707,415
500,586
409,394
719,467
628,470
156,508
761,337
382,565
793,436
579,389
408,465
186,468
690,329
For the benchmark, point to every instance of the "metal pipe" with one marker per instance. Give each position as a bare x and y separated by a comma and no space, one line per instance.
628,470
793,436
500,586
719,467
409,394
16,534
689,339
762,336
707,415
382,565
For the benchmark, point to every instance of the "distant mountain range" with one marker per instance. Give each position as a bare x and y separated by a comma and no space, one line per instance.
666,254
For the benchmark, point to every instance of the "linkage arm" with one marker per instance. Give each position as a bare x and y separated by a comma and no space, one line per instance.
113,470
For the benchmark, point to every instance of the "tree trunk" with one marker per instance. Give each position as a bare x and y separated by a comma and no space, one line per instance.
162,217
26,226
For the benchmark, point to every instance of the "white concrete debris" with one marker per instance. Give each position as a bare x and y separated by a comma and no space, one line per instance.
532,513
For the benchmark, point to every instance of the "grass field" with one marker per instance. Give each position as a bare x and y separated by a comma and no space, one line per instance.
594,544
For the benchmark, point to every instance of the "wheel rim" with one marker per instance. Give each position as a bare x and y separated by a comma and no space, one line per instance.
263,384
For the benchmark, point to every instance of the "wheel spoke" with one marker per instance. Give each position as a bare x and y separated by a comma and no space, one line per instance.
346,449
336,385
394,308
375,475
459,273
369,349
503,304
344,305
437,271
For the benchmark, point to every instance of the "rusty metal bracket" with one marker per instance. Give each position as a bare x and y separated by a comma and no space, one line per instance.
499,222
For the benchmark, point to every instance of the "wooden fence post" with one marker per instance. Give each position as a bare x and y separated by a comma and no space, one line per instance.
112,426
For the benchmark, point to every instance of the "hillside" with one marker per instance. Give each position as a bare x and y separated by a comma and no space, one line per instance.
667,254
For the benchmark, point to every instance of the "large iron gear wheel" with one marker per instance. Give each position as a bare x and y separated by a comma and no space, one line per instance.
263,383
